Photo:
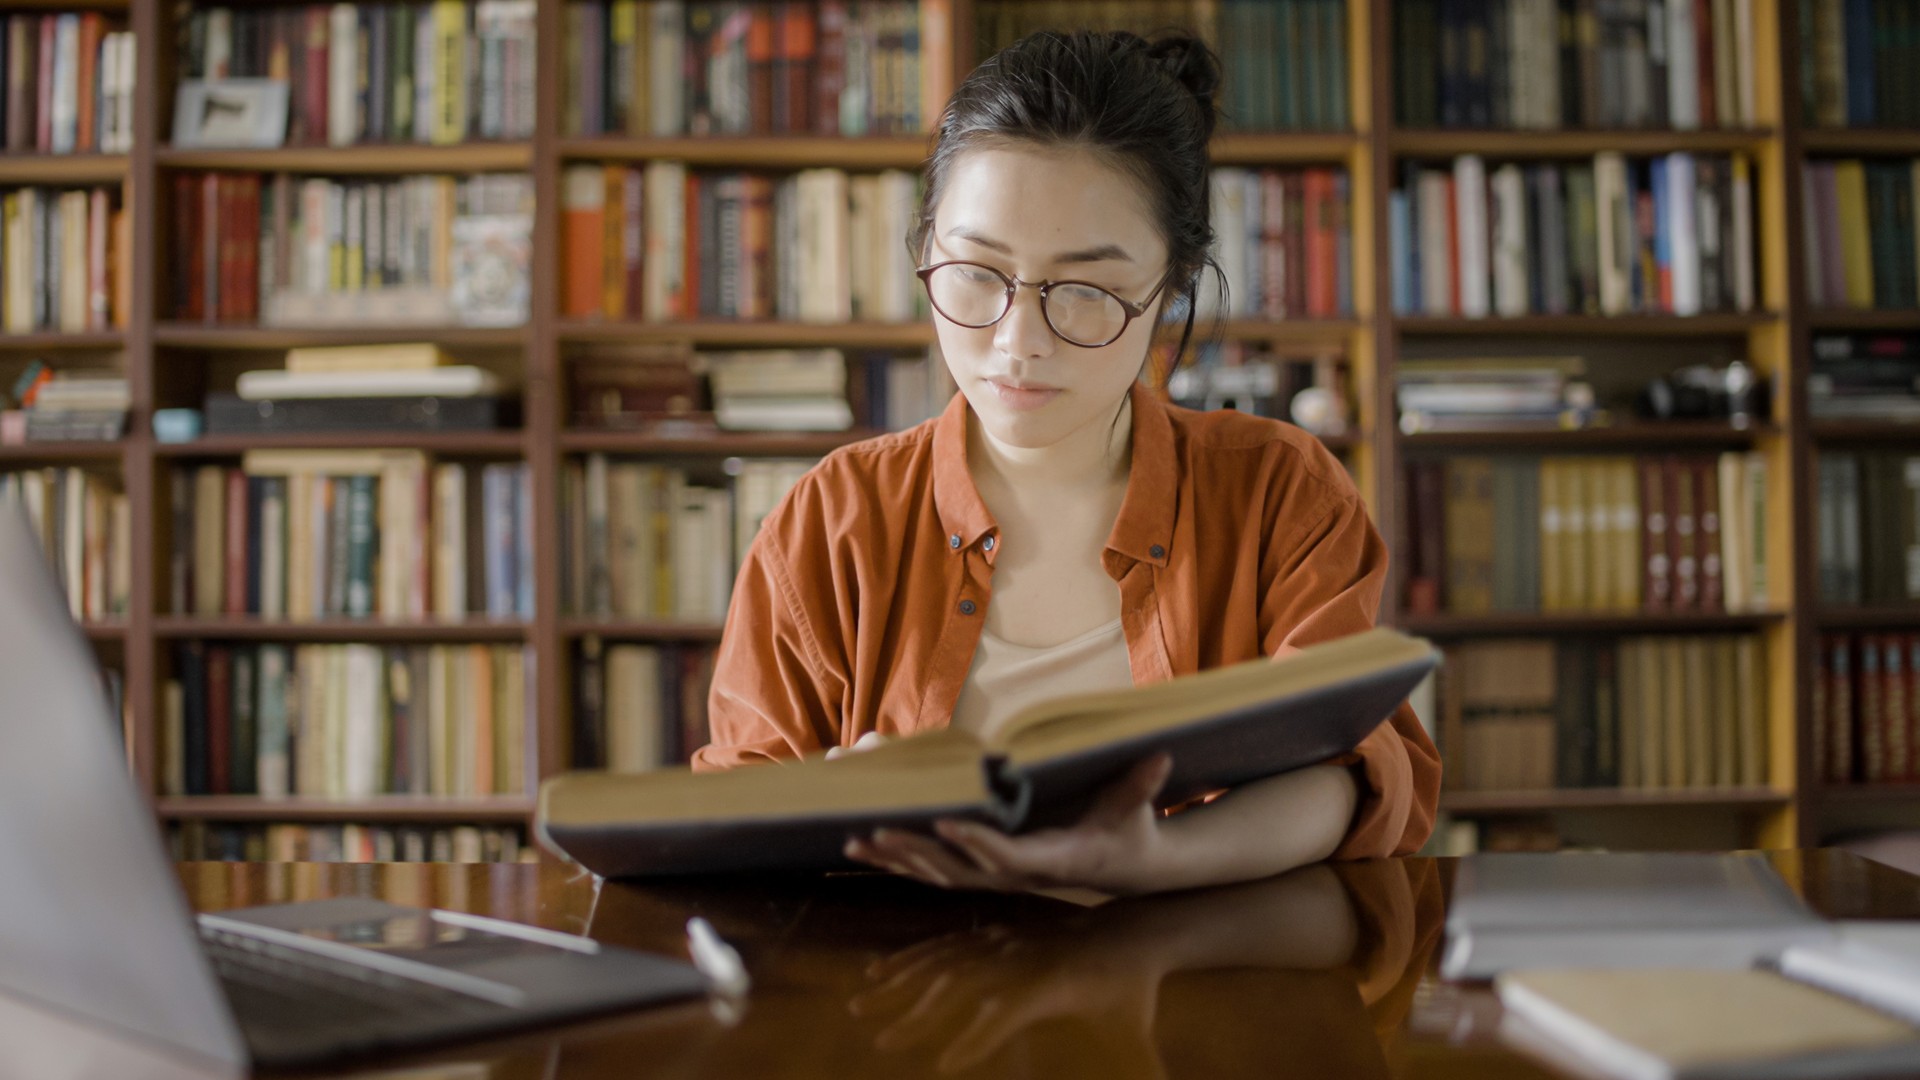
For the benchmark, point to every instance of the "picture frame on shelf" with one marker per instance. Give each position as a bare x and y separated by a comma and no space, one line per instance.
246,114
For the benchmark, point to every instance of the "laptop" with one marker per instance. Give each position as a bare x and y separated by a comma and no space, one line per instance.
94,924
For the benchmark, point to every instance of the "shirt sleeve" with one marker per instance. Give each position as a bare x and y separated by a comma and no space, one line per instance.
1323,581
774,696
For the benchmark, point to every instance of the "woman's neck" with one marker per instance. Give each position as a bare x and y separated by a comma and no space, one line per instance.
1087,460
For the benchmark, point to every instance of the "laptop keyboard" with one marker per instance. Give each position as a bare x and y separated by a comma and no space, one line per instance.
276,990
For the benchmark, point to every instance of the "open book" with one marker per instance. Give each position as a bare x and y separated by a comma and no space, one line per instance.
1043,767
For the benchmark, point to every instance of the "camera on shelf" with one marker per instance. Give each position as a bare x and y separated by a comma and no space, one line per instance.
1733,392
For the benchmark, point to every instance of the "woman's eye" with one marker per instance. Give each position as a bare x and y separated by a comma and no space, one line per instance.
1080,294
974,275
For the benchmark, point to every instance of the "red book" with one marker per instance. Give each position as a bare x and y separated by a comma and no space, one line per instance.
760,69
188,253
224,220
756,295
1273,248
1426,547
794,93
1453,249
1323,258
1656,587
830,71
1682,556
1703,51
633,238
43,102
585,221
1706,473
1839,709
209,265
219,720
92,28
250,251
314,91
1870,694
236,543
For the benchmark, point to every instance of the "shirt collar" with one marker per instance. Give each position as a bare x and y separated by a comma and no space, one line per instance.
1144,529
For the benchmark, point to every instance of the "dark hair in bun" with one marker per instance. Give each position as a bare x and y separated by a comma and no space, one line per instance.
1144,107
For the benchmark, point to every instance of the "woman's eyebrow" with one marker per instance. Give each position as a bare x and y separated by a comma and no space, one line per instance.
1102,253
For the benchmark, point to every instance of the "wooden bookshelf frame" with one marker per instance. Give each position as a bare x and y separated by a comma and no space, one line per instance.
1776,338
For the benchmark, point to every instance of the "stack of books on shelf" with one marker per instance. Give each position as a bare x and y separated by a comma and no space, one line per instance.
1860,237
1866,709
639,707
1268,382
1284,242
1868,539
439,72
1543,64
1864,377
1857,64
346,721
1632,712
383,533
310,251
69,84
1285,61
400,387
58,406
644,541
1655,533
780,390
65,260
223,842
1666,235
1494,394
86,529
667,68
660,242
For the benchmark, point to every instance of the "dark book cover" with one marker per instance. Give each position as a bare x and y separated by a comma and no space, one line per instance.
190,667
363,540
229,414
219,727
235,589
760,51
180,542
243,764
256,492
338,500
589,705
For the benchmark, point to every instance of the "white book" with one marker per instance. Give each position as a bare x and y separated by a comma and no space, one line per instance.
661,281
666,90
272,761
694,547
1510,242
451,381
426,46
1877,964
1683,237
273,551
1228,210
1615,233
1470,220
74,293
343,76
1740,236
1436,266
1746,93
449,541
218,51
124,140
635,734
107,77
783,414
65,125
1683,71
899,201
366,721
830,248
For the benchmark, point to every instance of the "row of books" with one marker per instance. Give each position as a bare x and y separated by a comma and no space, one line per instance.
220,841
660,242
85,527
1633,712
1866,707
311,251
1658,532
1858,60
1540,64
1867,538
1862,248
1668,235
1865,377
666,68
66,260
64,406
643,540
305,534
1284,241
1284,61
1494,394
69,84
346,721
639,707
442,71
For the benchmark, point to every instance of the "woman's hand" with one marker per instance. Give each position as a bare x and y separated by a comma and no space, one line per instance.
1116,847
865,742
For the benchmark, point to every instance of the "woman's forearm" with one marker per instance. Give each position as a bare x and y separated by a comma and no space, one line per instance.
1254,831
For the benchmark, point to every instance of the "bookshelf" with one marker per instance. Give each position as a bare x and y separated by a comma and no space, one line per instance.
1775,337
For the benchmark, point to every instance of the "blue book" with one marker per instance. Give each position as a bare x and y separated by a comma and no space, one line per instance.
1655,297
1400,231
1860,64
523,538
497,512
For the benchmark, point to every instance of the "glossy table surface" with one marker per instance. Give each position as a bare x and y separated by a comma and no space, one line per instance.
1323,972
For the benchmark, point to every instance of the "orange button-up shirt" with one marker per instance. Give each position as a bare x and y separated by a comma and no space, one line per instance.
861,601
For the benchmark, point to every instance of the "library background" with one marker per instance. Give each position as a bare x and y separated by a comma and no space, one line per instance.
396,385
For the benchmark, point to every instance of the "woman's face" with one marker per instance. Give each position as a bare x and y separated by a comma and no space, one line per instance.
1045,215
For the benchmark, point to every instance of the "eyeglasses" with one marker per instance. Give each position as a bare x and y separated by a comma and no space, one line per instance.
1080,313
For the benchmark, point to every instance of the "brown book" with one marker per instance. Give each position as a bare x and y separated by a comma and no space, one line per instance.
613,245
830,68
1910,644
1682,534
1677,718
1706,473
1469,529
1822,721
696,679
584,215
760,53
1656,587
235,588
1751,689
1840,743
1429,499
219,719
1870,700
1222,727
92,28
1723,697
1894,704
21,83
1701,710
1632,716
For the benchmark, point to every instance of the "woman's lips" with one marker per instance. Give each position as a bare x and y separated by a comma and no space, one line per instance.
1023,398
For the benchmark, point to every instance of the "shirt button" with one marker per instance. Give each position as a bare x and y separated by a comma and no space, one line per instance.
1157,551
967,607
954,541
987,544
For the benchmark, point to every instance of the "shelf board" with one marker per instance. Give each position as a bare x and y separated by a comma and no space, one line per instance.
1553,144
1622,436
1865,792
1528,802
1868,617
1719,324
251,628
762,151
505,809
911,335
1873,431
1283,147
62,452
1864,319
105,630
56,339
214,336
1860,141
435,442
639,629
388,159
1282,329
723,444
62,168
1600,622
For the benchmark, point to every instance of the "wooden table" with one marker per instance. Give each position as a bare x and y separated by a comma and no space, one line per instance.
1326,972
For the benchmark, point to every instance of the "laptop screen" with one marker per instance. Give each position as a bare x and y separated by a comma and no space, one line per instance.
92,919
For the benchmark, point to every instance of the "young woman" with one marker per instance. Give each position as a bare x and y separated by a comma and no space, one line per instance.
1058,528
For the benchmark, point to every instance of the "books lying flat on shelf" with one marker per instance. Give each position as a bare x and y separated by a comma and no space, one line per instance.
1865,377
1493,393
1520,911
453,381
230,414
1222,727
779,390
1700,1025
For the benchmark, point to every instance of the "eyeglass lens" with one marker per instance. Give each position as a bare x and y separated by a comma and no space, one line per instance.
976,296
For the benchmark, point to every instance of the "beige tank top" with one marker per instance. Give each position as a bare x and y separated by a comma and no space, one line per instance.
1006,678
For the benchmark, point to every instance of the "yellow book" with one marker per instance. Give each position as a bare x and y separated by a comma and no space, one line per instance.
485,713
1699,711
623,19
1674,721
1552,588
1850,190
18,315
1576,561
1601,588
1624,481
1750,689
450,72
401,356
1724,697
329,462
510,725
440,720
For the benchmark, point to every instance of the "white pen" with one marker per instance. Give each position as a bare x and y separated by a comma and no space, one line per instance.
716,959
